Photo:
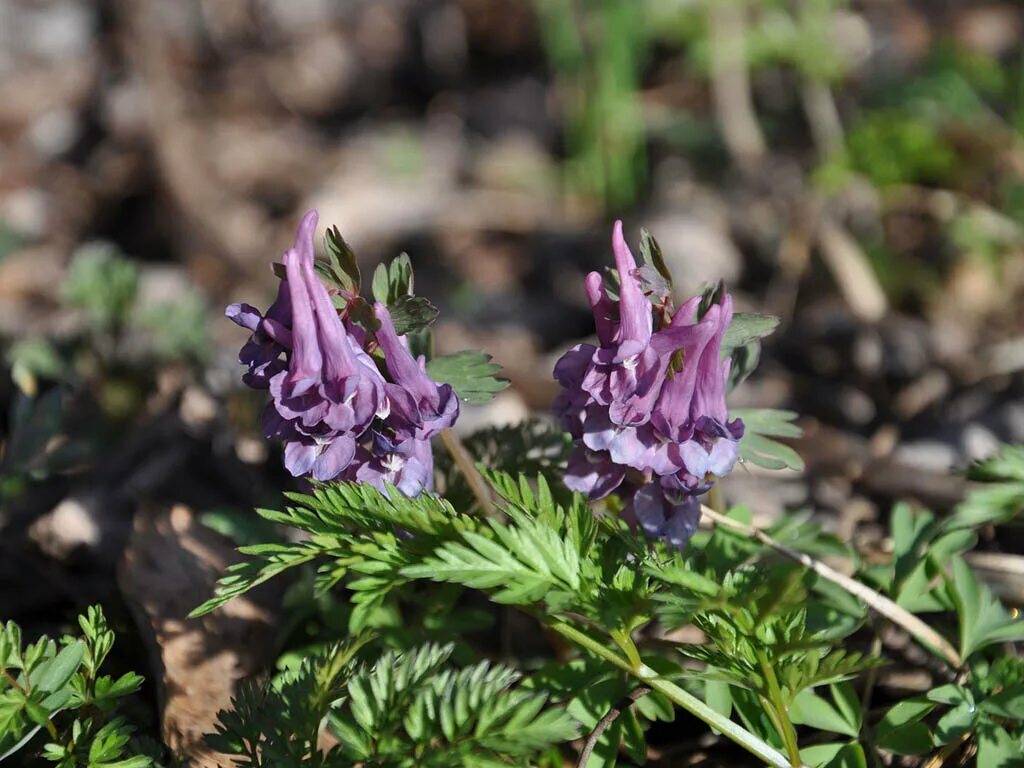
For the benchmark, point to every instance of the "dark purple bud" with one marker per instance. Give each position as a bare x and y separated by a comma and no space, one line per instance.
601,306
666,515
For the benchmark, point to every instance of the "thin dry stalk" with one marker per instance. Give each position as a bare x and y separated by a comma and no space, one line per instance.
730,83
876,601
476,481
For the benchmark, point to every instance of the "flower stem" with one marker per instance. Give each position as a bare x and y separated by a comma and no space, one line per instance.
464,461
14,683
777,704
677,695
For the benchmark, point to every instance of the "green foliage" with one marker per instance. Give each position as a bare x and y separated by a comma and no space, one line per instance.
278,723
31,360
597,51
776,658
651,254
952,712
56,689
471,374
531,448
745,329
393,281
177,330
1001,497
353,528
34,422
924,546
760,638
413,709
742,344
102,282
393,287
405,709
757,445
342,268
896,147
982,618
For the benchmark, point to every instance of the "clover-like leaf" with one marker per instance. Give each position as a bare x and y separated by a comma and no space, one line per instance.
411,314
393,281
757,445
747,328
471,374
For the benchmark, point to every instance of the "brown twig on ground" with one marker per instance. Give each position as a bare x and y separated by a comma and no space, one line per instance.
610,716
730,84
823,116
853,274
875,600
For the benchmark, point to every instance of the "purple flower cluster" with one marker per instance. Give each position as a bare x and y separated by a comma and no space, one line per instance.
338,414
649,402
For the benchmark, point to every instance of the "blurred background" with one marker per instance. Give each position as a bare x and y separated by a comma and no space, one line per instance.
856,168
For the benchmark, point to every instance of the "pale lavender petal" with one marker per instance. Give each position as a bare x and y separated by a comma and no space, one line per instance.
244,315
299,457
334,458
594,474
404,370
602,308
634,310
306,364
723,456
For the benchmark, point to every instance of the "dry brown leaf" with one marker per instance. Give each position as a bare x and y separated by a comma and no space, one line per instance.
169,567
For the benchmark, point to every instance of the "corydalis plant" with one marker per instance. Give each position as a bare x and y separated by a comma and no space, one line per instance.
779,668
339,414
646,406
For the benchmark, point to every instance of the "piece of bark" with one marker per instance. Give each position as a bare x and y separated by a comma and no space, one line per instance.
169,567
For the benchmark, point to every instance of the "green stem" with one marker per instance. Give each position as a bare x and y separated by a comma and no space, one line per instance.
716,499
628,647
677,695
14,682
778,704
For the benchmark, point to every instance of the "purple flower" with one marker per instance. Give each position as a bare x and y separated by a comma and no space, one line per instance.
664,514
650,397
330,405
325,394
593,473
326,385
271,338
629,367
408,465
420,407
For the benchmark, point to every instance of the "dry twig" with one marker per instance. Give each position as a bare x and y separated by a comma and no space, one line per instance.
476,481
875,600
602,725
